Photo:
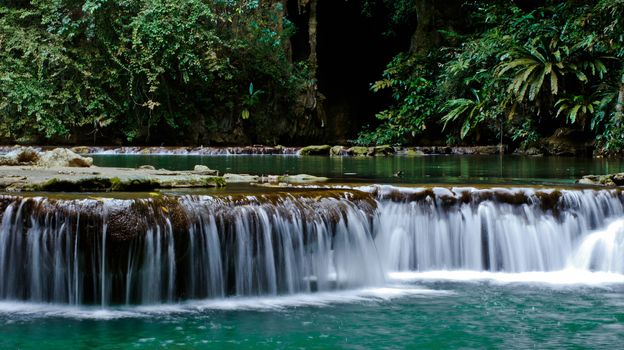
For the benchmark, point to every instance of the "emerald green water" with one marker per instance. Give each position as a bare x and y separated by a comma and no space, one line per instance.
425,169
463,310
428,315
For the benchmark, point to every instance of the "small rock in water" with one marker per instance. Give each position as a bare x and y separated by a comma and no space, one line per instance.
204,170
201,168
147,167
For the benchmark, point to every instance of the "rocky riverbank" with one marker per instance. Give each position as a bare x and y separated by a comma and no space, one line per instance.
61,170
320,150
609,180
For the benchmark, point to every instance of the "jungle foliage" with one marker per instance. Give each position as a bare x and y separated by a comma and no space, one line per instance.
143,68
519,71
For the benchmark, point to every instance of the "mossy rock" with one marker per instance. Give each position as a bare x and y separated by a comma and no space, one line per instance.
323,150
384,150
358,151
338,151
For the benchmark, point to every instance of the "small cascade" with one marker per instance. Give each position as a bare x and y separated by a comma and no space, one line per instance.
499,230
602,250
147,251
170,248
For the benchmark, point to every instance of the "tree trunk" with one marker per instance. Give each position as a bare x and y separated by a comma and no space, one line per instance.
432,16
282,15
619,107
312,25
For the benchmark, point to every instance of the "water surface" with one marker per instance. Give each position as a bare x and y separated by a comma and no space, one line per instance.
430,314
424,169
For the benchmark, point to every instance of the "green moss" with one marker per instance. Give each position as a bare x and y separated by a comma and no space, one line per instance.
315,150
358,151
116,184
79,185
215,181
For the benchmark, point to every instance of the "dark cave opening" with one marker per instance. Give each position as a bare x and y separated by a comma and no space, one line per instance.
353,50
352,53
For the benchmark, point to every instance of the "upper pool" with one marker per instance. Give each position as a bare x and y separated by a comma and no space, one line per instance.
425,169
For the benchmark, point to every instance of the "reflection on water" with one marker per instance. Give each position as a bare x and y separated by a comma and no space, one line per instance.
425,169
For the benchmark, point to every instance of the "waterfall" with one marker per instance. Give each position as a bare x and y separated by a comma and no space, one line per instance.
499,230
173,248
146,251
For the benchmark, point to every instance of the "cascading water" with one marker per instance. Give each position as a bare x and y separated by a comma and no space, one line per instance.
495,230
171,248
162,250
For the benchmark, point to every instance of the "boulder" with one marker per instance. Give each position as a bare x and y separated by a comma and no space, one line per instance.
62,157
384,150
323,150
358,151
338,151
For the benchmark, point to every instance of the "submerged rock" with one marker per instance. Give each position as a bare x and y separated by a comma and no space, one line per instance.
301,178
240,178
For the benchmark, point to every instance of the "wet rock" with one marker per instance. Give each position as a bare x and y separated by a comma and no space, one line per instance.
338,151
323,150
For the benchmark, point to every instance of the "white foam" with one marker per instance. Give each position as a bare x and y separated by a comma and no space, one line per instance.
276,303
562,277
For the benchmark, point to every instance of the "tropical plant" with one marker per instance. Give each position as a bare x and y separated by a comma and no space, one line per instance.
472,111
